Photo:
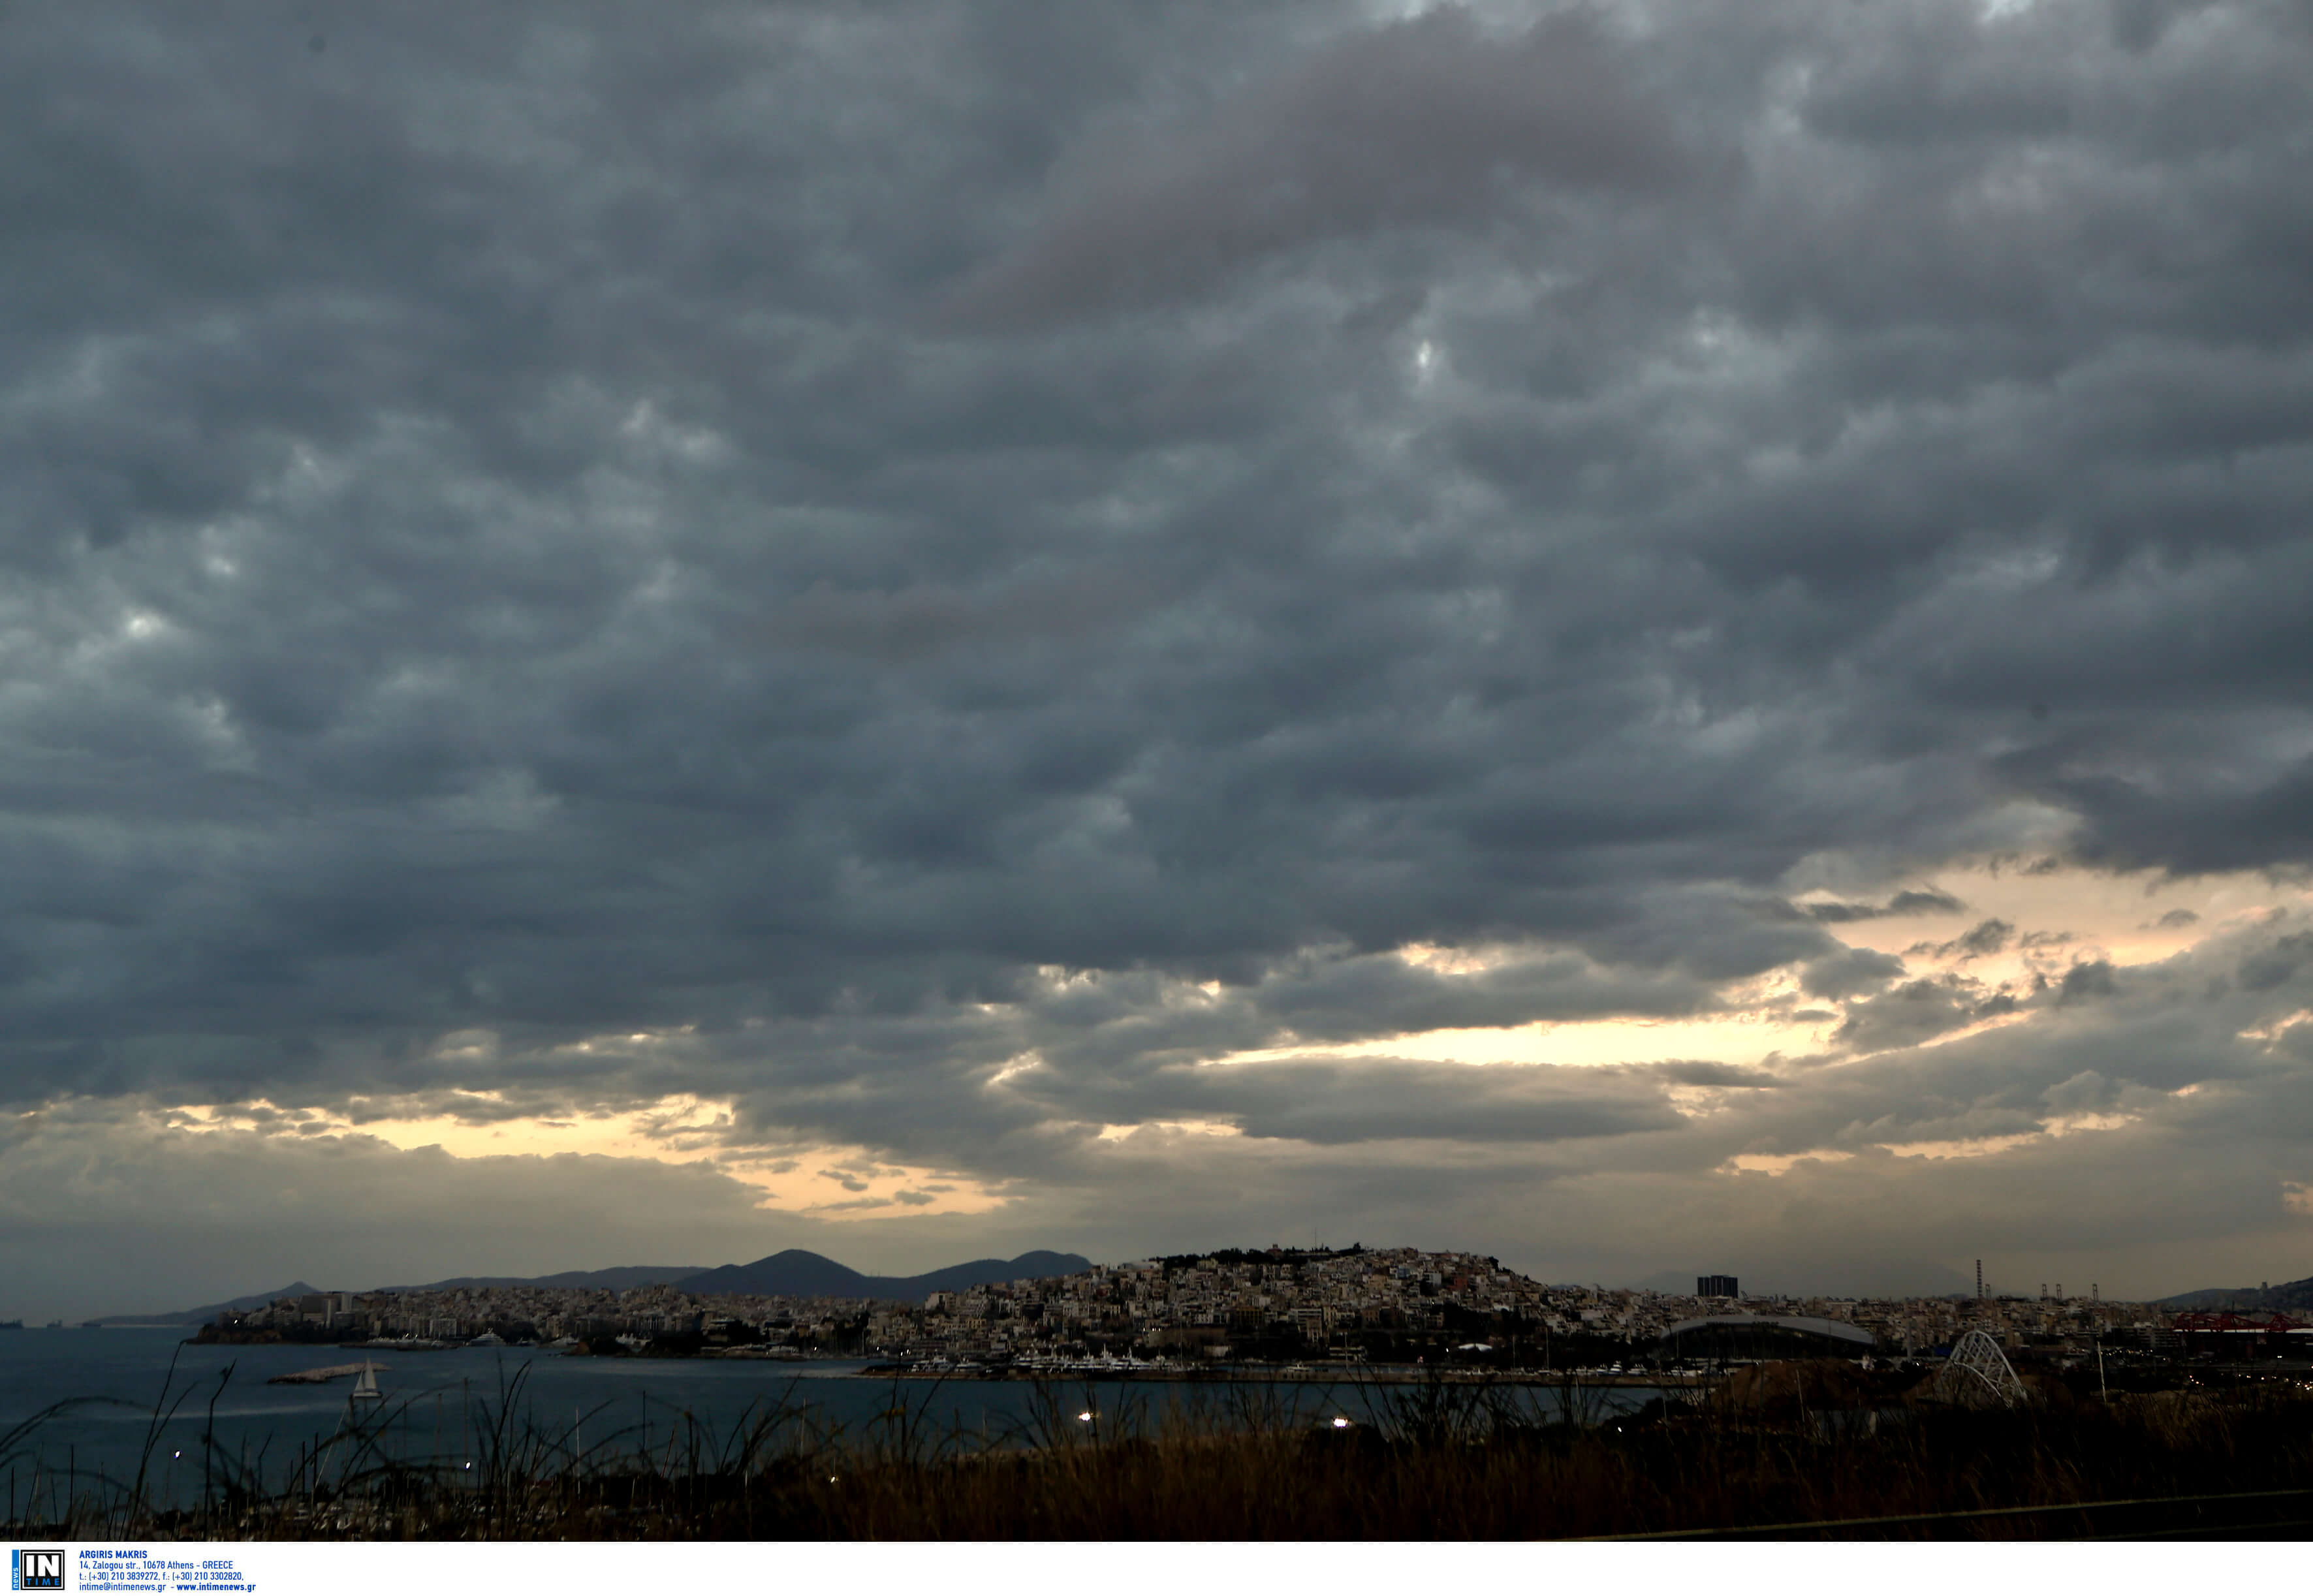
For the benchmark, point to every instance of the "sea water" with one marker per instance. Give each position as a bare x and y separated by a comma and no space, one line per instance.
143,1400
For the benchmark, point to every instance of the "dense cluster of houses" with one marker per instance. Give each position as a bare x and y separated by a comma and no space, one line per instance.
1338,1304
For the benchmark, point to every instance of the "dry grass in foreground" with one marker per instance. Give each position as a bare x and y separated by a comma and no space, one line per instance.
1439,1462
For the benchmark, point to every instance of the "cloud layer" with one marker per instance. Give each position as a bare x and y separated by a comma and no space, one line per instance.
962,579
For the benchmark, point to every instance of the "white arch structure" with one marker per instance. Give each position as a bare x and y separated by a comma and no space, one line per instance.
1977,1370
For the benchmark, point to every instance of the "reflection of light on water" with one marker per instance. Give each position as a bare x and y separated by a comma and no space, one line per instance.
440,1408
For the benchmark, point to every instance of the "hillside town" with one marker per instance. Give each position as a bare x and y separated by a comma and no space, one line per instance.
1355,1305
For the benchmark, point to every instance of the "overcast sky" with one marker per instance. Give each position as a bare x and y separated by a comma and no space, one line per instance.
1656,637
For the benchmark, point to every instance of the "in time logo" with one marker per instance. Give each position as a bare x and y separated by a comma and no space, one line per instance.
36,1571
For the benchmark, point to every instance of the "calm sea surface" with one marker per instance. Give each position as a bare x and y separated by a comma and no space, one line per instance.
603,1408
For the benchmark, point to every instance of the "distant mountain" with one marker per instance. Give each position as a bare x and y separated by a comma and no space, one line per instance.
2295,1296
625,1278
993,1271
790,1274
200,1316
796,1273
2215,1296
618,1279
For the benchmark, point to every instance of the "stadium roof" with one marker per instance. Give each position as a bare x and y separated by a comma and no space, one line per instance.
1832,1328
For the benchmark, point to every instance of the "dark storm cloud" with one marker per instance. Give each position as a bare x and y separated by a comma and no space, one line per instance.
1985,938
1912,900
2275,967
1703,1073
1850,973
1328,1103
1099,1023
1917,1011
177,1210
1426,122
2222,1118
2151,1039
2065,1116
816,524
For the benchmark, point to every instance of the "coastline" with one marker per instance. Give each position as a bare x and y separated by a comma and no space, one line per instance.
1265,1374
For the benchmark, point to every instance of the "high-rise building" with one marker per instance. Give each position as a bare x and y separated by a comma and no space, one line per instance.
1715,1286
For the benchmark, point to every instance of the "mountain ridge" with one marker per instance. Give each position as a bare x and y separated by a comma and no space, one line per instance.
197,1316
623,1277
791,1273
796,1273
2290,1296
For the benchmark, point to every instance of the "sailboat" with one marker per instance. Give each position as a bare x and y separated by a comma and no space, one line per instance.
365,1388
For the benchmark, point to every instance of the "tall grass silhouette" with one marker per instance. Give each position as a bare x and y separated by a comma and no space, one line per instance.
1213,1462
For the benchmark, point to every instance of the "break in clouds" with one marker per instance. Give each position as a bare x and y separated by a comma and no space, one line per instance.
1645,637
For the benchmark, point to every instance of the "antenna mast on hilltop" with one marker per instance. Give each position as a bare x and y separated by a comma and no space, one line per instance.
1979,1280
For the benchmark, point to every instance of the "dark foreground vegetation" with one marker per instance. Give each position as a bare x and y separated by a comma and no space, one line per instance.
1790,1450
